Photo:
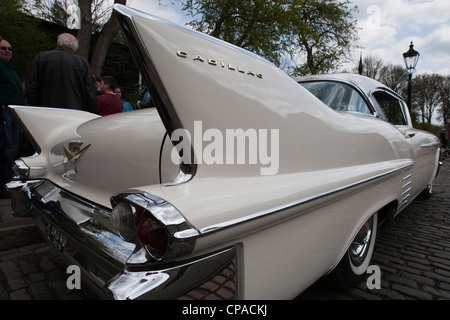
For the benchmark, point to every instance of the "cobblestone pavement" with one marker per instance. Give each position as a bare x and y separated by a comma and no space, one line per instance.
413,254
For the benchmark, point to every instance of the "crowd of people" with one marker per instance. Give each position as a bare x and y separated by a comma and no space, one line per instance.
60,79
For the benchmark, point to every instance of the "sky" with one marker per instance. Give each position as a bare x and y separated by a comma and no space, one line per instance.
386,29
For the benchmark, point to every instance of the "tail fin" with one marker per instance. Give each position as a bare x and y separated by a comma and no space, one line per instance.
47,127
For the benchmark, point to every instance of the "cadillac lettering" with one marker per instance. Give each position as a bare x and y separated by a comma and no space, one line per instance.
235,186
183,54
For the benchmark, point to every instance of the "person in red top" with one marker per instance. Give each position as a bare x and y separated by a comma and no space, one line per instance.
108,102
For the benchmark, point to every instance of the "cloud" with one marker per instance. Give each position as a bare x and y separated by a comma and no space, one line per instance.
387,27
168,10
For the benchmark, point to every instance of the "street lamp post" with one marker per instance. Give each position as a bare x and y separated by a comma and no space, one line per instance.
411,57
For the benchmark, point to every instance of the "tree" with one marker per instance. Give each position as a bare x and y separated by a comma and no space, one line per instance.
396,78
255,25
109,31
57,11
374,67
393,76
444,111
94,16
323,30
318,30
85,31
427,95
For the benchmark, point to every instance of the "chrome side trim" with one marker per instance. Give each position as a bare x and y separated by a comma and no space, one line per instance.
405,200
407,177
227,224
406,191
406,194
407,184
430,145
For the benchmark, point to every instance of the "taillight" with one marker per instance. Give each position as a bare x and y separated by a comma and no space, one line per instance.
154,223
124,220
153,235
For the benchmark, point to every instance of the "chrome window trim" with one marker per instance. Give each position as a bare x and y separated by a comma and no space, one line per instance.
227,224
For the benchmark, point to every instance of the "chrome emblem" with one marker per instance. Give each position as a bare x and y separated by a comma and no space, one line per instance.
74,151
223,65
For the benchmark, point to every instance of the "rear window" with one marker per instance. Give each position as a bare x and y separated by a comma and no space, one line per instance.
338,96
392,108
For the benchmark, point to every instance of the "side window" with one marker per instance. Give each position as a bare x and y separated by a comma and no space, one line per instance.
338,96
392,108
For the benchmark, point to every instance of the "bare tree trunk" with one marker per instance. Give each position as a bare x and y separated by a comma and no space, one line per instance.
103,42
85,32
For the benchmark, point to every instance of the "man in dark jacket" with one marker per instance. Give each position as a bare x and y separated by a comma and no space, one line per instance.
62,79
11,93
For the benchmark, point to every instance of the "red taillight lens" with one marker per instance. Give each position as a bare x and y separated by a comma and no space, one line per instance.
153,235
154,223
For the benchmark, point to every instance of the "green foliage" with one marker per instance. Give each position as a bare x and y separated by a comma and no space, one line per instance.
319,32
20,29
256,25
324,31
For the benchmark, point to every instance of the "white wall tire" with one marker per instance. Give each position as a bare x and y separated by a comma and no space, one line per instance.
353,266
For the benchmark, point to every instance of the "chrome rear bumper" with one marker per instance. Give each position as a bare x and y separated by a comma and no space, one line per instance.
80,231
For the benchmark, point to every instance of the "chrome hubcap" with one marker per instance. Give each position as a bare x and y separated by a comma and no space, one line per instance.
360,245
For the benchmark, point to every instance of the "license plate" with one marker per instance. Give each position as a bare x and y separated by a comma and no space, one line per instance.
57,238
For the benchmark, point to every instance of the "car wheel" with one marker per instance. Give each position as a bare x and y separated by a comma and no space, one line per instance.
353,266
426,193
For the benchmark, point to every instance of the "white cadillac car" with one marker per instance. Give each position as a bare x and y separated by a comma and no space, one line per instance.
242,183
